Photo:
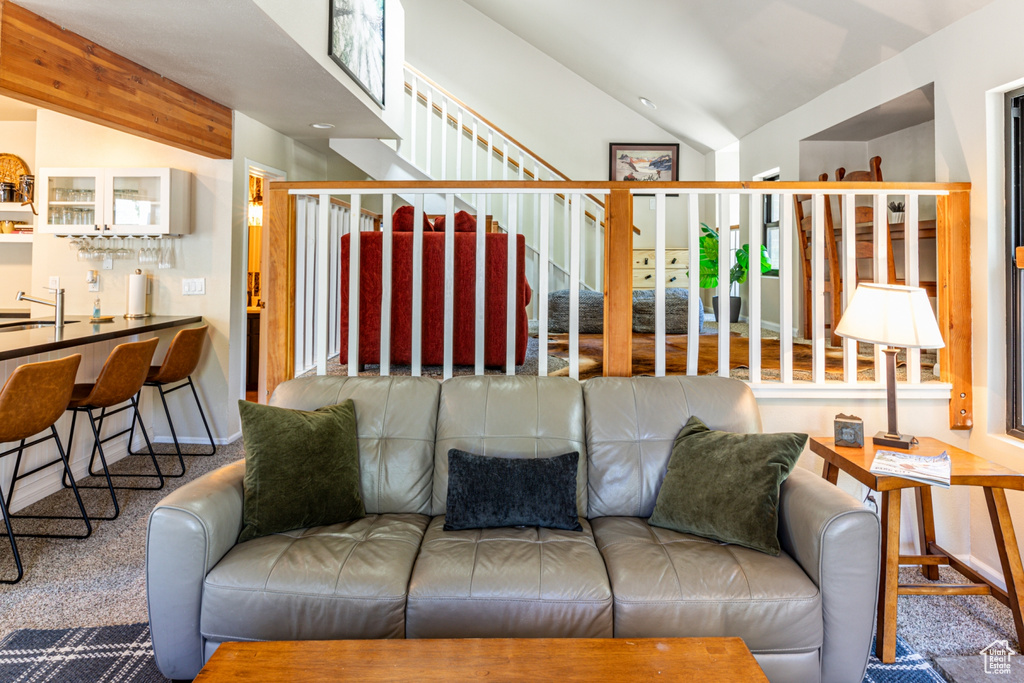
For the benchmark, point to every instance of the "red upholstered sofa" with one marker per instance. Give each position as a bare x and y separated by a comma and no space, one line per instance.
495,321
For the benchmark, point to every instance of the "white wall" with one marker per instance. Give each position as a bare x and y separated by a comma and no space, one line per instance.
535,99
971,63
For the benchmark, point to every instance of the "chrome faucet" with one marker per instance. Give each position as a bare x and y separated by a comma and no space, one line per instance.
58,305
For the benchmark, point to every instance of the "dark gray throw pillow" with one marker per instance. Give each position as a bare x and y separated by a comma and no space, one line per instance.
725,486
486,492
301,468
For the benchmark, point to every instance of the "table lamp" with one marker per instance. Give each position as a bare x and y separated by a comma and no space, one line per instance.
899,317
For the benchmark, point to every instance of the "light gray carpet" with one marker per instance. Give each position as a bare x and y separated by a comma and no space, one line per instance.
98,581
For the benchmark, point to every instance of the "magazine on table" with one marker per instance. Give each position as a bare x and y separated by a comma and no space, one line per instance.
928,469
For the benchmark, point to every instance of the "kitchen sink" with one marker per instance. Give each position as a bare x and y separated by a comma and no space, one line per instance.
31,325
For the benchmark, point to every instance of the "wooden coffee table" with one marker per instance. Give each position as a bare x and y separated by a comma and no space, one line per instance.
565,660
967,469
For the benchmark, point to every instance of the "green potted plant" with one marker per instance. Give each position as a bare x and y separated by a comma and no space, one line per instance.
737,273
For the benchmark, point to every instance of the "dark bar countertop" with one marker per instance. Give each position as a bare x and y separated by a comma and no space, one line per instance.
78,331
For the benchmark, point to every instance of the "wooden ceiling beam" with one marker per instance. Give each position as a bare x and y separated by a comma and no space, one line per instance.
45,65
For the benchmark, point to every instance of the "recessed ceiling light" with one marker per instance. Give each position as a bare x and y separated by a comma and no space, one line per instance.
647,103
321,126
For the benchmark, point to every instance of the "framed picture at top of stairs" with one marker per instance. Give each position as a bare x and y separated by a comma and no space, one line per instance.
639,161
357,43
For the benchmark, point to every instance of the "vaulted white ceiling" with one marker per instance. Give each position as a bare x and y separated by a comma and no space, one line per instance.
720,69
716,69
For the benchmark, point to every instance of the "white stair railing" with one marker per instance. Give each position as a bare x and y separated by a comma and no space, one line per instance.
481,151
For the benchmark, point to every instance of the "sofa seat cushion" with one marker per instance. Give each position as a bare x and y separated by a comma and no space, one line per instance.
514,582
345,580
670,584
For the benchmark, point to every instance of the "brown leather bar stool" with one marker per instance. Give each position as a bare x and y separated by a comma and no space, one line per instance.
180,362
119,381
31,401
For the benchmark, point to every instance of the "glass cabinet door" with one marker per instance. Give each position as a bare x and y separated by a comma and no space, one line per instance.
138,201
72,202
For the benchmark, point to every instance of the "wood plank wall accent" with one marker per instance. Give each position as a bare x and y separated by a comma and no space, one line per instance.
618,285
45,65
953,247
279,287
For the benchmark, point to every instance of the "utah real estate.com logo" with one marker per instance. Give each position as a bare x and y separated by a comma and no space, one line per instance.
997,657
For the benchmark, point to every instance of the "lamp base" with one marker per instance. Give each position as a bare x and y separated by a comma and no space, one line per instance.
885,440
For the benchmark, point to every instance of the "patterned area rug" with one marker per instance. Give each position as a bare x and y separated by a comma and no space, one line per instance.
125,654
104,653
909,667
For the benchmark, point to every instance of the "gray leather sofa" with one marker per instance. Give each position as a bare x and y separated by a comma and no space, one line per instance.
807,615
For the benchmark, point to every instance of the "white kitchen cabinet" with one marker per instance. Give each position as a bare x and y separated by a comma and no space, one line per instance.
114,201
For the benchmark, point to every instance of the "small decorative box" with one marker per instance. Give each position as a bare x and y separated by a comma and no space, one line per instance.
849,431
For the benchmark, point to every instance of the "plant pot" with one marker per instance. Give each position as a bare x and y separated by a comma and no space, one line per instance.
734,308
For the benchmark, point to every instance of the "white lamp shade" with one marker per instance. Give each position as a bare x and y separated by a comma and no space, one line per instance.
893,315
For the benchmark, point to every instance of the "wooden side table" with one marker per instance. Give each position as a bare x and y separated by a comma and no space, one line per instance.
967,470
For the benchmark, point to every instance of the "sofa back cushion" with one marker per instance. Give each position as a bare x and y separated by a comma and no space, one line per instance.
395,421
632,423
520,416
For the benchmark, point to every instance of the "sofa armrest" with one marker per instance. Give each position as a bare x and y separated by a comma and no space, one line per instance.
189,532
836,541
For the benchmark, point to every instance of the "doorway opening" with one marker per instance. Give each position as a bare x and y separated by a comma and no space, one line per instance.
255,362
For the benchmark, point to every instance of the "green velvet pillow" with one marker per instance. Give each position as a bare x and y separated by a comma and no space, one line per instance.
725,486
301,468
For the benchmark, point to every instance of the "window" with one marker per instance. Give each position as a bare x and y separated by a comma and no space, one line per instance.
770,220
1014,276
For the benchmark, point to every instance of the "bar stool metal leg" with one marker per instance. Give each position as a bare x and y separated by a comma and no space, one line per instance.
14,545
177,448
66,475
170,422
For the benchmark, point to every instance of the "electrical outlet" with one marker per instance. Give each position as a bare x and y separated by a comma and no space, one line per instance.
94,286
54,282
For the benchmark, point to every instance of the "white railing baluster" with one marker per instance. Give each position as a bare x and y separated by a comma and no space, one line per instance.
417,287
659,284
444,138
323,272
693,285
449,283
786,302
310,276
353,284
387,242
818,265
880,235
511,288
490,154
301,328
428,165
849,240
458,144
412,121
724,295
566,232
754,287
547,204
911,274
481,282
334,288
474,146
574,287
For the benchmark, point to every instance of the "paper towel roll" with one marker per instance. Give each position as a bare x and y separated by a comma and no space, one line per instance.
136,295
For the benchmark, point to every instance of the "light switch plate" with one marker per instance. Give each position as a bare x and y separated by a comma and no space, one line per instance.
54,282
193,286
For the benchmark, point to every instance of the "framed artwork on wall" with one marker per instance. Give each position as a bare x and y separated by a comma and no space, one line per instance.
640,162
356,43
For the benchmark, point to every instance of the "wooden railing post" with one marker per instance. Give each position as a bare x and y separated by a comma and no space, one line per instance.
953,247
618,285
279,287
